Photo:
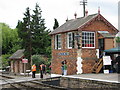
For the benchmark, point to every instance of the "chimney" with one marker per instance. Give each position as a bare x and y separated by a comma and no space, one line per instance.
86,13
67,19
98,10
75,15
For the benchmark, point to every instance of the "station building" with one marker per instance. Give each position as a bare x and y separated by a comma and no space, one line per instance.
81,42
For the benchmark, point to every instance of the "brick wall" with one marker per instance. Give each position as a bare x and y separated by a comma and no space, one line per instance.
88,55
99,26
70,58
90,84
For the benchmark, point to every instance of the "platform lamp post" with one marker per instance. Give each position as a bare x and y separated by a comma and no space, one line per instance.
78,38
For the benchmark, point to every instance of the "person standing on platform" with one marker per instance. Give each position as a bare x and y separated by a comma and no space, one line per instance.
33,70
65,67
62,67
118,62
44,69
41,71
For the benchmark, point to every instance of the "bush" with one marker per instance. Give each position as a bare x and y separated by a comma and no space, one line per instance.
37,60
5,61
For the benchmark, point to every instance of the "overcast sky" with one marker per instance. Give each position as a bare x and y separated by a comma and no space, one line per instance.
12,10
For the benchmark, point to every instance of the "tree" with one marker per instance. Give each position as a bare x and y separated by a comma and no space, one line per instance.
56,24
32,31
40,35
24,32
118,39
10,39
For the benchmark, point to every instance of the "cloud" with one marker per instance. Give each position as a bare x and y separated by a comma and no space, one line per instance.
12,10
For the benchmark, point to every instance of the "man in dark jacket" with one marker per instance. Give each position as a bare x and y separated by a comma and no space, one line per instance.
118,62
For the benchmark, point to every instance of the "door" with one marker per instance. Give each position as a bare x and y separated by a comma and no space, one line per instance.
101,47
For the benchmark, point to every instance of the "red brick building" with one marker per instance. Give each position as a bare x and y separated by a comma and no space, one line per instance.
80,42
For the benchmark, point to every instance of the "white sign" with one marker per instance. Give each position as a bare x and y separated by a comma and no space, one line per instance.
106,71
106,60
24,60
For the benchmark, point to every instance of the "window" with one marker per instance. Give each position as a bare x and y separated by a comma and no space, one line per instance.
70,40
58,41
88,39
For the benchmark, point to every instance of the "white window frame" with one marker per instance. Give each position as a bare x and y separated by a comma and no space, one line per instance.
68,40
58,41
87,37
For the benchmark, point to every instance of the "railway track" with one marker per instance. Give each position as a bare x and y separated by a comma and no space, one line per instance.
29,85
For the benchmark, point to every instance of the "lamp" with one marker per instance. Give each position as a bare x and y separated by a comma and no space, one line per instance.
77,37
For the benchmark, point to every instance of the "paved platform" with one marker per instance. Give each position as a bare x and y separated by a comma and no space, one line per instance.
22,78
111,77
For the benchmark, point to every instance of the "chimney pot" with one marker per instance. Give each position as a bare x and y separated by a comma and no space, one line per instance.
75,15
86,13
98,10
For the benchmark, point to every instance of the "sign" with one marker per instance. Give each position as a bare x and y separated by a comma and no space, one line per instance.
64,54
106,71
106,60
24,60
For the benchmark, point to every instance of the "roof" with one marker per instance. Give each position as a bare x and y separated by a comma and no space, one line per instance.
113,50
75,24
106,34
18,54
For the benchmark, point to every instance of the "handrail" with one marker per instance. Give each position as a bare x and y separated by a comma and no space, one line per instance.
97,66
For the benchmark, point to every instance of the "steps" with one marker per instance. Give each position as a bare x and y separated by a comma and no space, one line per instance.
97,66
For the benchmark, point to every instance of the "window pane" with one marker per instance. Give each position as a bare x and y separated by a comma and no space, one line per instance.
87,39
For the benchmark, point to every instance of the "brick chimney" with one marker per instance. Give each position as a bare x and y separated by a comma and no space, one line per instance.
86,13
98,10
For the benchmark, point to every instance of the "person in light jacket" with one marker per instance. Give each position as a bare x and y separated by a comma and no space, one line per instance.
65,67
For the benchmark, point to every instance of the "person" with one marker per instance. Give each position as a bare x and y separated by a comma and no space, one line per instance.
50,68
42,70
118,62
62,67
65,67
33,70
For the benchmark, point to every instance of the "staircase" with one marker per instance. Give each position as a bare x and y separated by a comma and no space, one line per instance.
97,66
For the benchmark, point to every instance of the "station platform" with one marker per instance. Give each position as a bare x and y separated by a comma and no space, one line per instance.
111,77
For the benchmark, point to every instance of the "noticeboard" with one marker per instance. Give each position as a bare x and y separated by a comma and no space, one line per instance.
106,60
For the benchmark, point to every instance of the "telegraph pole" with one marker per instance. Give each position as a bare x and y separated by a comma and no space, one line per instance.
84,3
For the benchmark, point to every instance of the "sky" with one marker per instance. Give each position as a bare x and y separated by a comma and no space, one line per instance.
13,10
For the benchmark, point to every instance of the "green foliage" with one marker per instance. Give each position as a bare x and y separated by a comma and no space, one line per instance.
24,32
40,35
10,39
56,24
5,60
118,39
38,60
32,31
